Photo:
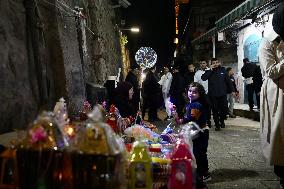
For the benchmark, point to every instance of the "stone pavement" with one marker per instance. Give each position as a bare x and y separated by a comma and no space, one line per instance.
235,158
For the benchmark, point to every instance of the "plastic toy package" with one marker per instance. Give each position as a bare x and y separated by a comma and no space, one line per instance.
189,132
167,136
183,166
100,154
43,133
138,131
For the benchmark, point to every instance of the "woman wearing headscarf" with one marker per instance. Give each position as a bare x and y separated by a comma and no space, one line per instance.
271,58
133,78
122,99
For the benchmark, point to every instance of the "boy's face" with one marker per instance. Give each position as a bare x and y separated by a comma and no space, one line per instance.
203,65
191,67
231,72
166,70
215,64
193,93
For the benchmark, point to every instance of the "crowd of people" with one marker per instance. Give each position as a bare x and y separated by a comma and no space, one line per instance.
172,87
219,84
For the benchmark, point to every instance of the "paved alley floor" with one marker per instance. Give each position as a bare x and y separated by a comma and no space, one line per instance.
235,158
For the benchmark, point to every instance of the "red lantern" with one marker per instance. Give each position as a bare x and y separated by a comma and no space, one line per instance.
181,173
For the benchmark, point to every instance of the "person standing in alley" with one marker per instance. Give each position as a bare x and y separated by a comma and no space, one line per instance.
152,94
189,76
257,83
271,58
133,78
177,90
253,80
230,96
197,78
218,85
165,82
123,94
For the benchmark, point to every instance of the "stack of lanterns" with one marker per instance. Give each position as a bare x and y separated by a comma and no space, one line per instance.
94,157
56,154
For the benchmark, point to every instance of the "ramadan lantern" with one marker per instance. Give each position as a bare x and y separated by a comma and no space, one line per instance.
40,161
99,159
140,169
181,170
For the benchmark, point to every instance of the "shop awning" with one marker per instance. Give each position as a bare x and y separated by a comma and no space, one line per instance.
240,12
206,36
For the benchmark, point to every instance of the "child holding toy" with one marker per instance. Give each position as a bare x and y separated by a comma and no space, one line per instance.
196,112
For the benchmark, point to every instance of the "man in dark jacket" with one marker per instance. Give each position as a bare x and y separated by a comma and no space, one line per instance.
253,80
218,85
189,75
133,78
152,91
177,91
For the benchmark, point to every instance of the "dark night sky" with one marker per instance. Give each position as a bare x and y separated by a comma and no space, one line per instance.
156,21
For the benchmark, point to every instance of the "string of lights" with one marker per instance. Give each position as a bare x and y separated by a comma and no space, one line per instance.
53,4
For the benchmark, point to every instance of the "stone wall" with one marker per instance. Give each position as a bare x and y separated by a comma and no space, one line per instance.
43,55
18,89
105,45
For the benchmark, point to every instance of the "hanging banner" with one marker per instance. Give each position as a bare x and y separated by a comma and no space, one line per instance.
221,36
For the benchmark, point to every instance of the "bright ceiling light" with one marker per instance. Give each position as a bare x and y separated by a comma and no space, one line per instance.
135,30
176,40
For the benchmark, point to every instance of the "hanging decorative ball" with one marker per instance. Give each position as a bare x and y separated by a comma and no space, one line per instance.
146,57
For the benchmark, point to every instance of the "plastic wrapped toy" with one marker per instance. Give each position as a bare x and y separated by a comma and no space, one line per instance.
189,131
41,148
138,131
113,116
181,175
44,133
99,155
87,108
167,135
